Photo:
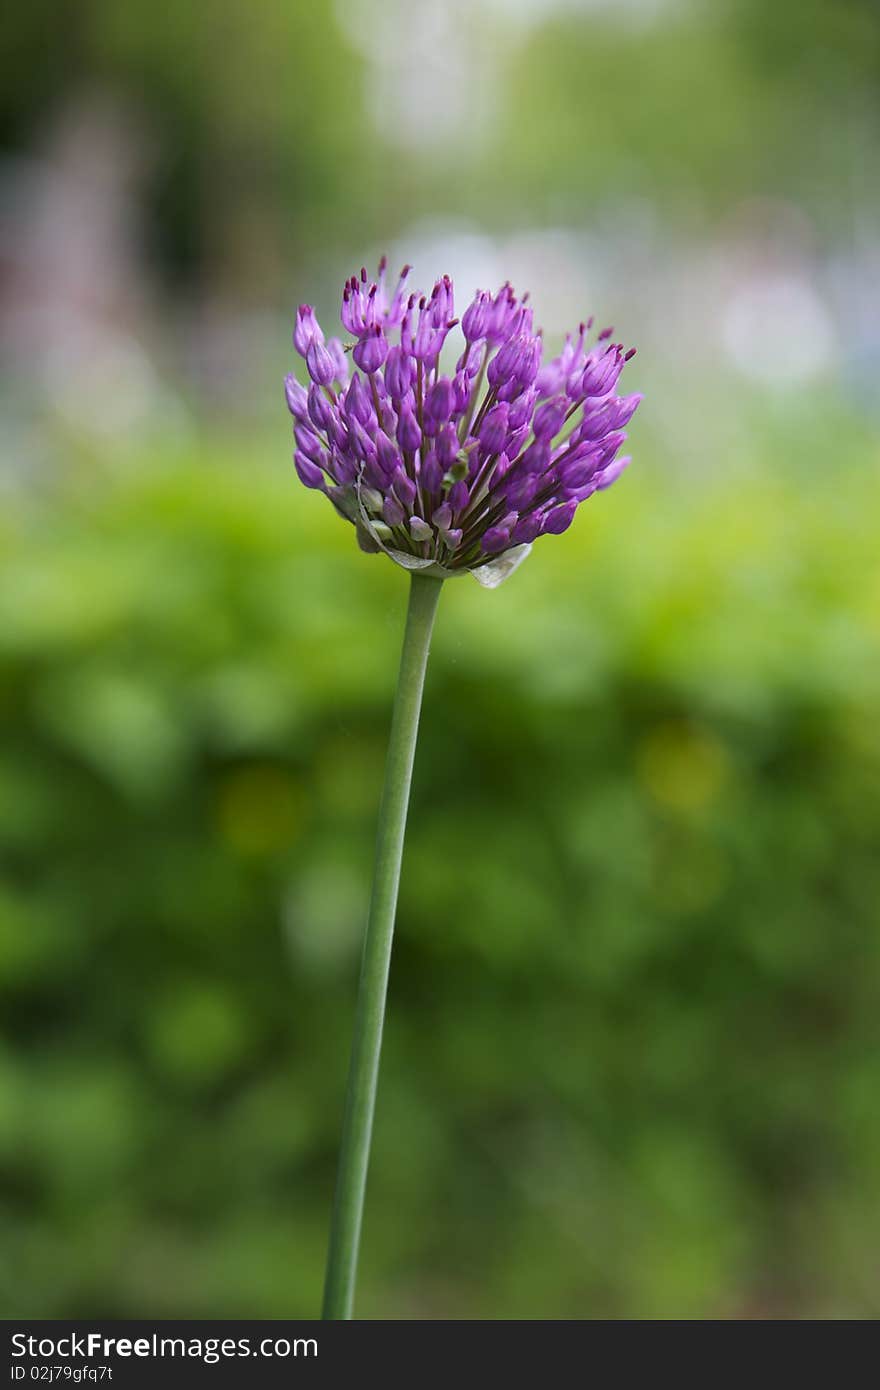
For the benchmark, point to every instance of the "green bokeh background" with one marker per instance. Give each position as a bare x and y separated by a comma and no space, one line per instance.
632,1060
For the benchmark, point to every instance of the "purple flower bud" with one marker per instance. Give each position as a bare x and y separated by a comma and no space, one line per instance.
321,412
602,450
393,512
409,436
605,415
309,473
458,496
442,303
319,363
564,372
601,372
529,362
357,404
504,316
399,373
522,408
424,340
453,536
431,473
551,378
610,474
574,473
509,391
461,388
501,469
297,398
536,457
507,361
387,416
493,430
626,409
388,455
579,494
307,329
438,405
446,445
340,361
520,489
469,363
363,442
338,434
346,468
404,488
476,317
374,478
517,440
558,519
442,517
371,351
549,417
527,529
309,444
495,539
352,311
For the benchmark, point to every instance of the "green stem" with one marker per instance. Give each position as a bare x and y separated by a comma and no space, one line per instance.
360,1099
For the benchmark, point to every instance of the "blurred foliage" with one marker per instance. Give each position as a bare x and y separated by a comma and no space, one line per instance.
716,104
257,114
632,1055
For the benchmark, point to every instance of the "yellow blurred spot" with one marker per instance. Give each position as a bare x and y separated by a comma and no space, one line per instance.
682,767
260,810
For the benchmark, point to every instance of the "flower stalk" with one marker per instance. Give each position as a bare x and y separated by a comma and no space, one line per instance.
370,1014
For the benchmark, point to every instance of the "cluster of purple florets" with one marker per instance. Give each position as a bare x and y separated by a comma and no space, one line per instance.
454,467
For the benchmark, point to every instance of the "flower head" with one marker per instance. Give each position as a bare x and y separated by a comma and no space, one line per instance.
450,471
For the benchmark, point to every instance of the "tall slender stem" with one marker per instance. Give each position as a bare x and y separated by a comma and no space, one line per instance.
363,1072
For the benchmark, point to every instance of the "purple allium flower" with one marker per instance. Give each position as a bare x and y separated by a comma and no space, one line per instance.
450,473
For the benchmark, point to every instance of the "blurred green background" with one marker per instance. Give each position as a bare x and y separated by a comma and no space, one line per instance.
632,1061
